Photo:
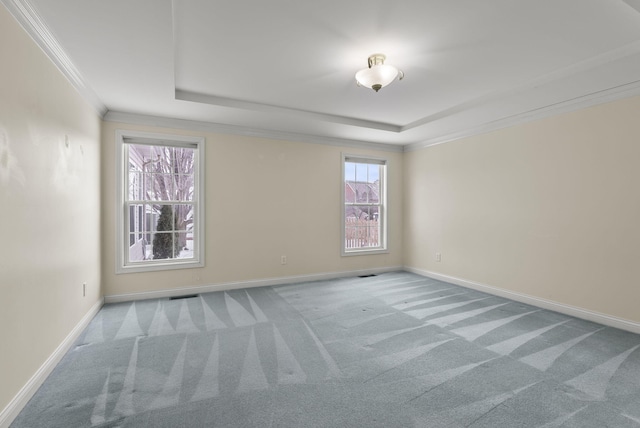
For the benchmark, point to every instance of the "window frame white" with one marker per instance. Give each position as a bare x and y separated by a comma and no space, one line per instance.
383,213
123,265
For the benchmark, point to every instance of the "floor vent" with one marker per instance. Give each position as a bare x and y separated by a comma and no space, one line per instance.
186,296
367,276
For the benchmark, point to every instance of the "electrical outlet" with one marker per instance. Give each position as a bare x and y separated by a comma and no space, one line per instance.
438,257
84,289
283,260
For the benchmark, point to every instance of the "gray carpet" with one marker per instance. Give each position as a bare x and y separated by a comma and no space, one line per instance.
393,350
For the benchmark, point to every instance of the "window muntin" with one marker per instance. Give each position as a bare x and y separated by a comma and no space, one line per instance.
364,205
161,203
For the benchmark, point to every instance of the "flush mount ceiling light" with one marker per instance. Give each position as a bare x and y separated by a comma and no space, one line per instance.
379,74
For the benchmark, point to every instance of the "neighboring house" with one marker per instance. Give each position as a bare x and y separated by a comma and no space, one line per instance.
142,218
360,192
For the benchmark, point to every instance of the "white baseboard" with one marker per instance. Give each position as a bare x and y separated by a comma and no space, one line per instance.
12,410
21,399
574,311
159,294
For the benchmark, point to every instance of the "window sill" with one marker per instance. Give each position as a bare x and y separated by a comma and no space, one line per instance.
152,267
365,252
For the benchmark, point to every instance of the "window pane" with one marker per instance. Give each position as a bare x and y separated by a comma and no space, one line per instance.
351,234
161,173
153,229
139,250
183,217
135,185
373,173
134,166
366,213
361,172
163,245
138,240
363,196
163,217
370,228
139,157
184,160
373,233
169,173
362,227
135,221
183,225
349,171
351,211
349,191
185,245
184,187
162,161
362,182
159,187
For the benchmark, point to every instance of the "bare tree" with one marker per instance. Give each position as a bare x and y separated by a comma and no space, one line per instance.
168,176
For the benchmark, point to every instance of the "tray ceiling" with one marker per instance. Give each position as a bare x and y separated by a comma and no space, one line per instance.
287,67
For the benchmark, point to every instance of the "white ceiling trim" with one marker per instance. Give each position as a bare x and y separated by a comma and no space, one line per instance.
565,72
249,105
194,125
25,13
634,4
612,94
579,67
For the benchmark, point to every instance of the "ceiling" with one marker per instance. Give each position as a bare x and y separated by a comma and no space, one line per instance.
286,67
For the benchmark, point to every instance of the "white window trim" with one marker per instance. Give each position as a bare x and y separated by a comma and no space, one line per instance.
198,259
383,249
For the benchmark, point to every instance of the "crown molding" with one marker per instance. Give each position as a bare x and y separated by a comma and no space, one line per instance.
269,108
566,72
599,97
592,63
28,17
194,125
635,4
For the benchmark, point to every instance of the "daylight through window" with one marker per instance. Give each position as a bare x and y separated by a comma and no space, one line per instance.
161,204
364,199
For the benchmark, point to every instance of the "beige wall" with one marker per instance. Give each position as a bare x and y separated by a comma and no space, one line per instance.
50,208
264,198
550,209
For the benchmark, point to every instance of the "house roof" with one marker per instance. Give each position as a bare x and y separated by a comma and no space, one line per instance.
360,188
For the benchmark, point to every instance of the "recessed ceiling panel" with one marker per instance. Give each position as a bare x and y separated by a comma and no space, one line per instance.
288,66
303,55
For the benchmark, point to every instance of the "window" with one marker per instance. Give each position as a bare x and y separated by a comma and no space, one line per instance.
364,205
160,217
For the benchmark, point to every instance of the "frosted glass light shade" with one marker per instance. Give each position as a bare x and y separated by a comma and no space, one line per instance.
378,75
